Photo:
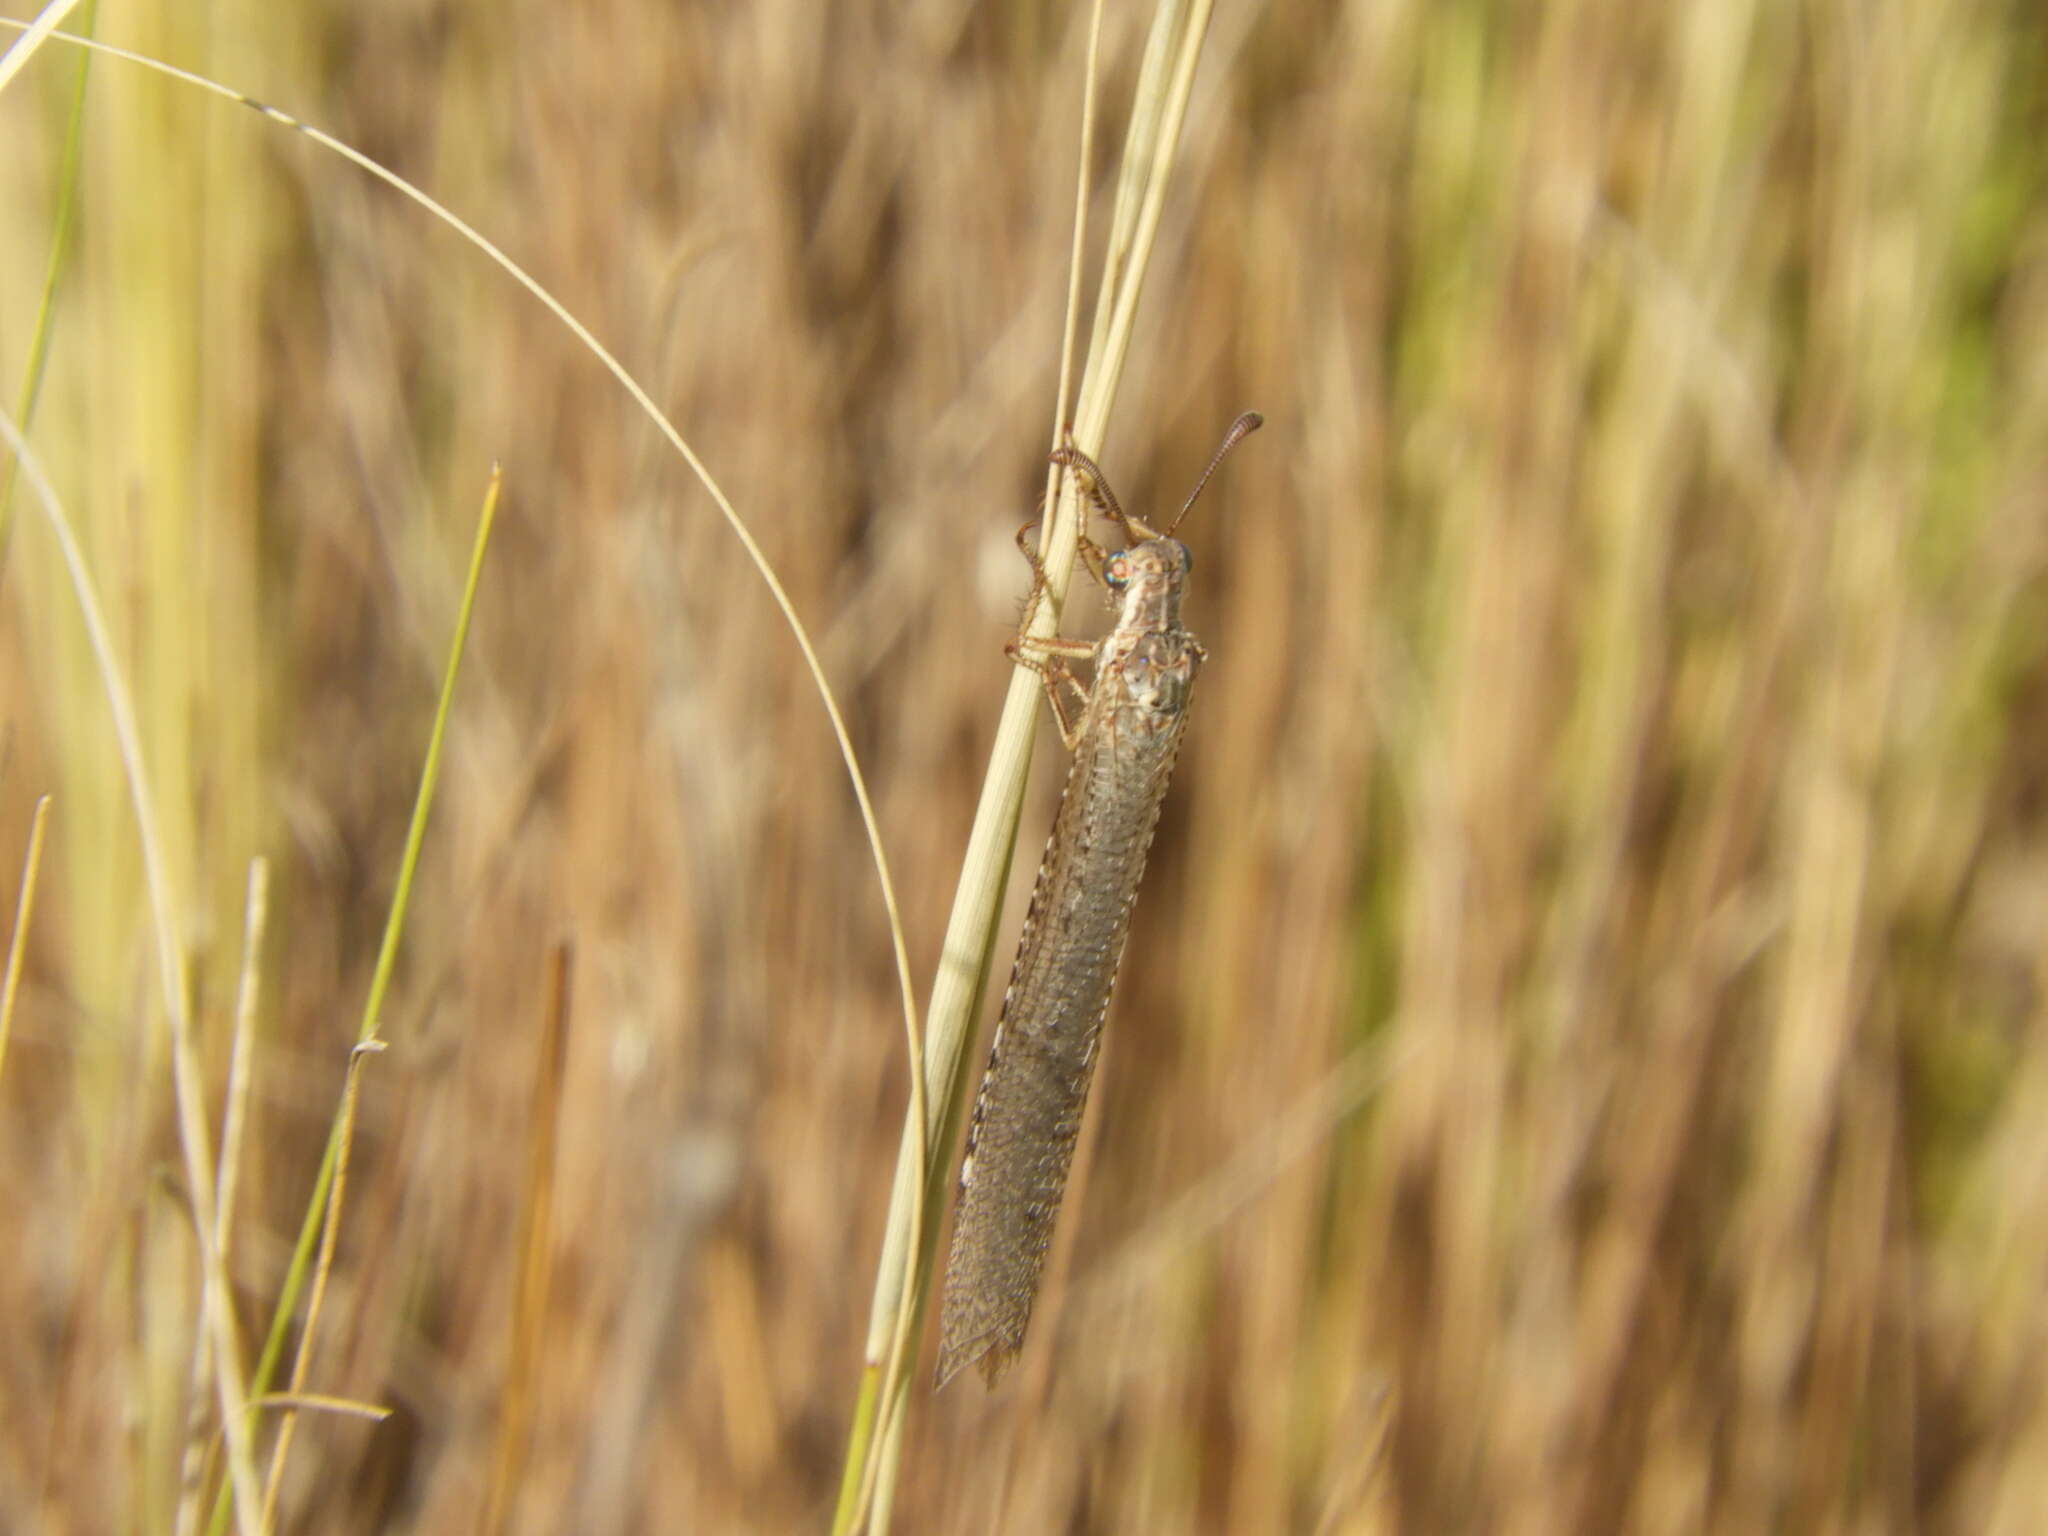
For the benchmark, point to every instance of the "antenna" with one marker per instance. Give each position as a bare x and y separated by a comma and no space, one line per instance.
1135,528
1240,429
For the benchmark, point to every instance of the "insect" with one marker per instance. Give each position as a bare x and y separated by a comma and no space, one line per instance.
1020,1142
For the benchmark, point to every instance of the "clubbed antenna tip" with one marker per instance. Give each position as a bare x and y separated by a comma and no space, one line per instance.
1240,429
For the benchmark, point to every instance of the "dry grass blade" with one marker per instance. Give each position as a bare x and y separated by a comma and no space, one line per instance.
321,1402
248,992
24,909
193,1130
536,1227
255,914
36,33
63,228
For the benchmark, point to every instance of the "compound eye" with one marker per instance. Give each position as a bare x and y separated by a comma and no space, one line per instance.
1116,570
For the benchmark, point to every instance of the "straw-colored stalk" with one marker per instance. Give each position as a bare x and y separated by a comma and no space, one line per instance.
903,1275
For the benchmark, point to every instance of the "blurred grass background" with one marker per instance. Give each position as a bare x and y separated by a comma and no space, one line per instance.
1582,1061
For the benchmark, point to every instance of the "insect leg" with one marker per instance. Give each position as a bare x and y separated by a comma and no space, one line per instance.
1048,658
1095,485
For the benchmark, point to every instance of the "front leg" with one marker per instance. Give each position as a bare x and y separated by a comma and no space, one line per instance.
1095,486
1092,556
1049,658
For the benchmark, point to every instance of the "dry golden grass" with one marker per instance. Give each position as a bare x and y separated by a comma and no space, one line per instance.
1582,1062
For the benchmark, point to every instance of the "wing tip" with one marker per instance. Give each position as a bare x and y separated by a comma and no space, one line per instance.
994,1357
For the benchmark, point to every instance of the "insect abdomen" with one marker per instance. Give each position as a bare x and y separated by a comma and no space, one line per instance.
1020,1142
